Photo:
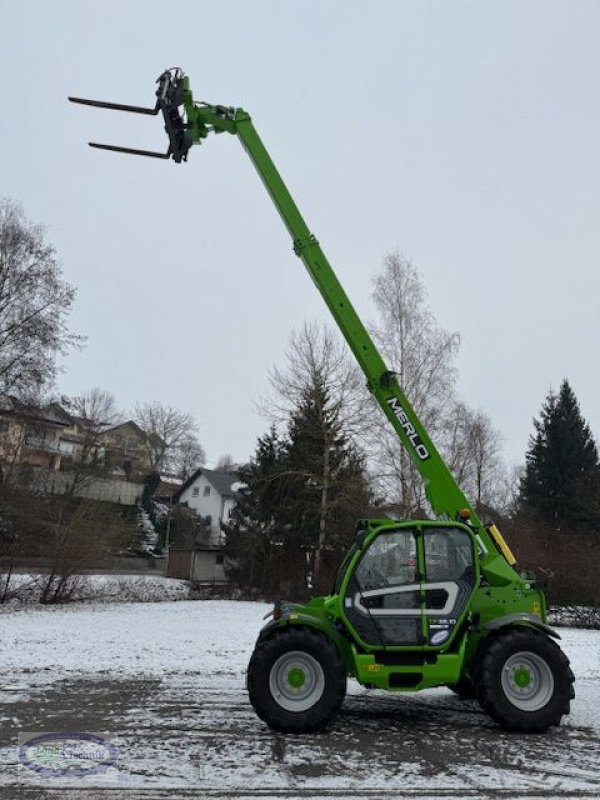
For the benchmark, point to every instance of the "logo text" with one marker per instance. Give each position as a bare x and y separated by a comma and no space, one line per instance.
409,429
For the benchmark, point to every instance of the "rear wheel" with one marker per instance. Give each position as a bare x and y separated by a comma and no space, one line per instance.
296,680
523,680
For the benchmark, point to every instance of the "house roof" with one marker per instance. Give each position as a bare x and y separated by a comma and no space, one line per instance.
167,488
128,424
133,426
57,410
75,420
29,411
222,480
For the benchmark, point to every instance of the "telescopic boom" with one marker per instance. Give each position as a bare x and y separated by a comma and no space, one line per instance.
188,123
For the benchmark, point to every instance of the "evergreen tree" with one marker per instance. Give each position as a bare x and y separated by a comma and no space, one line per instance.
304,493
253,533
327,488
562,473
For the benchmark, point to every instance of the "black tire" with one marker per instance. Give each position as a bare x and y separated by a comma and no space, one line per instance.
523,680
284,706
465,688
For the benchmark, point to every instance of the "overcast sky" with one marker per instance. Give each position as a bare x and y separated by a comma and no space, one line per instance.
464,134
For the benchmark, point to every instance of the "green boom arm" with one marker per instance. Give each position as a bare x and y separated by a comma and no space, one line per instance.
443,493
446,498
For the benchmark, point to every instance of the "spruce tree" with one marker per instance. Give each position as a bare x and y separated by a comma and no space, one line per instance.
254,533
562,472
328,491
305,491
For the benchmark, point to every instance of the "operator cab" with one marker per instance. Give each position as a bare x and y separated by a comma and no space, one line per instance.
411,584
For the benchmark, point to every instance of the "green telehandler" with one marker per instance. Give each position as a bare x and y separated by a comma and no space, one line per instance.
416,604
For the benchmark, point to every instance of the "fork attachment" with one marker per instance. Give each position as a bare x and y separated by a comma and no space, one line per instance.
169,98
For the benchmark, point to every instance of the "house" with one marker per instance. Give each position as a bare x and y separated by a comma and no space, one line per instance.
128,447
79,438
50,443
211,494
32,435
164,493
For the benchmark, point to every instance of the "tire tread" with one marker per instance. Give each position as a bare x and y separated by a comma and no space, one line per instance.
265,654
494,651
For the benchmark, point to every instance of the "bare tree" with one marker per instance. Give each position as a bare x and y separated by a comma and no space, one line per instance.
422,354
96,408
226,463
34,303
484,443
187,456
77,534
66,533
472,447
509,489
170,435
92,412
315,353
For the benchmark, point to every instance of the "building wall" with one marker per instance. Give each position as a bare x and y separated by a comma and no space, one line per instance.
11,439
110,490
196,565
205,568
211,504
125,444
179,564
30,442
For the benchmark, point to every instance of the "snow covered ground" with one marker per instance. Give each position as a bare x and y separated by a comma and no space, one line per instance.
165,682
24,588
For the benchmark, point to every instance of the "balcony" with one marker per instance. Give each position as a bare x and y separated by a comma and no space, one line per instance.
36,443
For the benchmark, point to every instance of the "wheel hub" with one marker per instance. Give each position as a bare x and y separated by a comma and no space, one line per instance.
522,677
296,677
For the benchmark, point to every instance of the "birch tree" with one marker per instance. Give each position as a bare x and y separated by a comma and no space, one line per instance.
423,356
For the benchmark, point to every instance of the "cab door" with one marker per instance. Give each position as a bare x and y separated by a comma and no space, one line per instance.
450,577
383,599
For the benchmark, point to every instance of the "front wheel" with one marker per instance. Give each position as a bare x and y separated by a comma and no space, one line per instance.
465,688
296,680
523,680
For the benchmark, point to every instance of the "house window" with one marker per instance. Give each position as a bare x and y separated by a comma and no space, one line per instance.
206,491
196,491
3,426
219,558
230,513
34,437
